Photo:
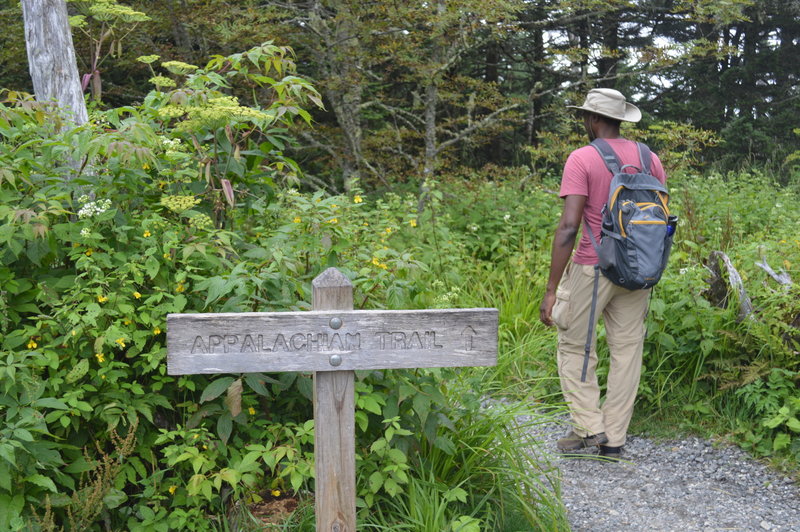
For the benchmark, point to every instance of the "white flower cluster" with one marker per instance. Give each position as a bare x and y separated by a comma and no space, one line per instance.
170,144
92,208
85,232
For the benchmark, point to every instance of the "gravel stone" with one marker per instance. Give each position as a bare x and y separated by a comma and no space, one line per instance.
678,485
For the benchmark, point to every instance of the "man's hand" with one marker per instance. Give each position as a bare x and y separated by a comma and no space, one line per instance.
546,308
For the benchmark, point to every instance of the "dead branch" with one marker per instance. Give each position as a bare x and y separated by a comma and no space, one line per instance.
719,289
782,278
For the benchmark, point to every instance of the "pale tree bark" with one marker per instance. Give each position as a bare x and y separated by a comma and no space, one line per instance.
338,31
431,96
51,58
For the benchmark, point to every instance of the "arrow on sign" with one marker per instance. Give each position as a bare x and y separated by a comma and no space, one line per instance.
467,335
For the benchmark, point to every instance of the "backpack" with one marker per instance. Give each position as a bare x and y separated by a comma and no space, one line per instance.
637,229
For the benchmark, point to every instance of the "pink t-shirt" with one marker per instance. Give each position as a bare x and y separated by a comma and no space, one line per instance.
585,174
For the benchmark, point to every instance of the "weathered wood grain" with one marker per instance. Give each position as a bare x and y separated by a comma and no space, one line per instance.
334,422
310,341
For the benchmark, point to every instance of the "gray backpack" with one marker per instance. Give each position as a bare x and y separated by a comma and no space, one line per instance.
637,229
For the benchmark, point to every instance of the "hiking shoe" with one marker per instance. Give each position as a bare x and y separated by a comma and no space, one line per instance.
572,443
611,454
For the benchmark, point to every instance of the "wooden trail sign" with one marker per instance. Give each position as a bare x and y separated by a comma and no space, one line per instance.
332,340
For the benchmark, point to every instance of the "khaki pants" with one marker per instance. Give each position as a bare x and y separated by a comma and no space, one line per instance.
623,313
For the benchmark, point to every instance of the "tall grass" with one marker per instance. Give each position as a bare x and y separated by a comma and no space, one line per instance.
494,475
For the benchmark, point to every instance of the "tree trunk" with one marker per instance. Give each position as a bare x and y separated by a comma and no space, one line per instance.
51,58
344,83
431,94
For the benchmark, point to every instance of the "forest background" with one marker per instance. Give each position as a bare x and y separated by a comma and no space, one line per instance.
418,148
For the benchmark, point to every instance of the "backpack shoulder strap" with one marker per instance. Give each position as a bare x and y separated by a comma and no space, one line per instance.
609,156
645,156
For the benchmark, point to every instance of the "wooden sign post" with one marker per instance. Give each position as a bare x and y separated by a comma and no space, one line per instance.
332,340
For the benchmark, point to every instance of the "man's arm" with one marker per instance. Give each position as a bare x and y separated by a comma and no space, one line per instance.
563,243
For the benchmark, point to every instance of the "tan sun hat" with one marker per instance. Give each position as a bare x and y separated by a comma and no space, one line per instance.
610,103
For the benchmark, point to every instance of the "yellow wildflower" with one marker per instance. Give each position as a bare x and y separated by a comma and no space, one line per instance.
137,295
388,230
74,332
173,489
334,206
384,266
413,223
180,288
89,252
333,221
357,199
32,344
100,357
195,436
252,411
156,331
375,261
120,342
276,493
146,234
102,299
126,322
146,166
297,220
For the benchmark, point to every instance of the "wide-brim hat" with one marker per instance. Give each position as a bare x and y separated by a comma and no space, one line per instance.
610,103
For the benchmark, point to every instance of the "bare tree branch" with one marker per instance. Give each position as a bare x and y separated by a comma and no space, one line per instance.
485,121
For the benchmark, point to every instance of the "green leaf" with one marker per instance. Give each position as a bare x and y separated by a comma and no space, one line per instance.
10,508
775,421
215,389
7,453
375,481
256,383
369,404
445,445
114,498
77,372
151,266
231,476
794,424
362,420
42,481
224,427
78,465
392,487
456,494
50,402
196,483
781,441
422,406
5,478
23,434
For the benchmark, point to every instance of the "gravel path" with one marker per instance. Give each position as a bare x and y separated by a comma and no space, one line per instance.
681,485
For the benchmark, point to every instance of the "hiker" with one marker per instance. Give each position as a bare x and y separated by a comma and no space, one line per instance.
568,298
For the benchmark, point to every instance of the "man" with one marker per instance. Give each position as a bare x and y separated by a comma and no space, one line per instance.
568,297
